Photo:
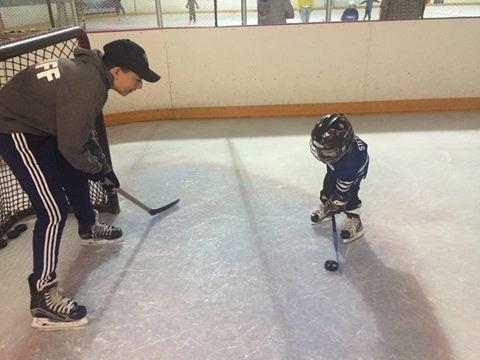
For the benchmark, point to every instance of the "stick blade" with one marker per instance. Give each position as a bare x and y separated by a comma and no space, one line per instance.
163,208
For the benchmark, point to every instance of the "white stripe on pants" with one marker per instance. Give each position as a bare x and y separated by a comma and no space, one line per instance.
49,203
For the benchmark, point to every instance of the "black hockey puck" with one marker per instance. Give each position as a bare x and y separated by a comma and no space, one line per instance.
331,265
3,243
20,228
12,234
314,218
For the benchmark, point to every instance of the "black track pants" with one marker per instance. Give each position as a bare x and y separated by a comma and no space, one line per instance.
49,180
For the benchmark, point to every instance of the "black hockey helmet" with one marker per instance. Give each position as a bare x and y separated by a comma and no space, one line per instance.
331,138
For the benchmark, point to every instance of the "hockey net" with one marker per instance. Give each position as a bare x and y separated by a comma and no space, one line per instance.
402,9
22,49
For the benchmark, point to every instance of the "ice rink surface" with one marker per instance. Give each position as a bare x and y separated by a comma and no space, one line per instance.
235,271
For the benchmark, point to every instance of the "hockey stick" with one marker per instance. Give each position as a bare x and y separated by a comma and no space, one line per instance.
145,207
335,236
332,265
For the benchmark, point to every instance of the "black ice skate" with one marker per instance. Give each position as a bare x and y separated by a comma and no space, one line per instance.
53,311
99,233
352,228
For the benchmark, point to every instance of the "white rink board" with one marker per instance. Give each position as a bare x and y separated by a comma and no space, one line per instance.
314,63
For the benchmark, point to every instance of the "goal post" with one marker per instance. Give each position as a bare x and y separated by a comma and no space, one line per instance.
18,51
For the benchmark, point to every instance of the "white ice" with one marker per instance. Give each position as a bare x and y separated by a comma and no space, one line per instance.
236,271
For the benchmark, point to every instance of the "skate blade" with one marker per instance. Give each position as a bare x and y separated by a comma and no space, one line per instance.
356,237
321,222
91,242
47,324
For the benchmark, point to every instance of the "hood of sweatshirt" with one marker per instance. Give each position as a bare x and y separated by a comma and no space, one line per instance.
95,57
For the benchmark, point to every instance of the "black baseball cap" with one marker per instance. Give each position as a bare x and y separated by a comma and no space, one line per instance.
128,54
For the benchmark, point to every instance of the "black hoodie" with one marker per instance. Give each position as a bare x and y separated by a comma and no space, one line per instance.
60,98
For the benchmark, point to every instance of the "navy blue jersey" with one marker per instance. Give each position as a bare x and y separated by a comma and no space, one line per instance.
350,169
350,14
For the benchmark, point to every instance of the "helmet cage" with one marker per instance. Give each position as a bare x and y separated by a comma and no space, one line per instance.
325,154
331,138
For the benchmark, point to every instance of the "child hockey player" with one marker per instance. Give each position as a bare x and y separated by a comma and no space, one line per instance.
334,143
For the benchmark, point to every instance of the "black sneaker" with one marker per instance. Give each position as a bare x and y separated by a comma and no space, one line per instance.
99,233
51,310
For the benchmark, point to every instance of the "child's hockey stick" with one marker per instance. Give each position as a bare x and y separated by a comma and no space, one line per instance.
335,237
145,207
332,265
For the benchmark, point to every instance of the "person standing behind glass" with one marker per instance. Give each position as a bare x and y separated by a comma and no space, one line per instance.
305,8
191,5
351,12
274,12
118,7
368,8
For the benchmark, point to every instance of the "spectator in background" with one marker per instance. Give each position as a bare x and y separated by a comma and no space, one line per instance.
274,12
118,7
305,8
191,5
351,12
368,8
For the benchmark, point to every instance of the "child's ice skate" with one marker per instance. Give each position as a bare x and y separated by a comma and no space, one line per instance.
53,311
352,228
318,214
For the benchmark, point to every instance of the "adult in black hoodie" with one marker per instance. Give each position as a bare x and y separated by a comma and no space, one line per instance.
47,114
